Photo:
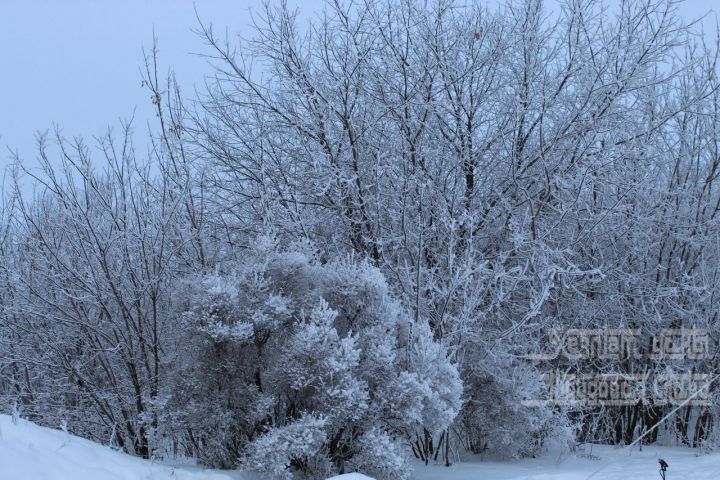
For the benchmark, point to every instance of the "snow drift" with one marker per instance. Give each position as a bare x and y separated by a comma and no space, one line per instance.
30,452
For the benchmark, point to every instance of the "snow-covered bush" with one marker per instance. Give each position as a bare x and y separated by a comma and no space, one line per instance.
298,445
295,365
500,424
380,456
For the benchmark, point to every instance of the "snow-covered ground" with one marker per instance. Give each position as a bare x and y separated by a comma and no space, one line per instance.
29,452
600,463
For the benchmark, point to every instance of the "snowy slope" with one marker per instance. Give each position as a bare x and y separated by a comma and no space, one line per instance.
30,452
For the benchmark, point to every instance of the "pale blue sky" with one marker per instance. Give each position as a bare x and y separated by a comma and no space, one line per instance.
76,62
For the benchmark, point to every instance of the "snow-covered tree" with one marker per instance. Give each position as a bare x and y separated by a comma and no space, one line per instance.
501,167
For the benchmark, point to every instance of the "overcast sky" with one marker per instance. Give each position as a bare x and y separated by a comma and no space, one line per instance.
76,63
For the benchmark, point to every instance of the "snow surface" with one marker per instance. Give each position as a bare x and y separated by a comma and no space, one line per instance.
30,452
597,462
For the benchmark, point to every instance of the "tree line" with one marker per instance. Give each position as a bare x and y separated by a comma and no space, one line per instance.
340,252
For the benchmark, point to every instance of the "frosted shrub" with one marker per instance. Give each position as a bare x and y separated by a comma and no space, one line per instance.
380,457
296,446
314,368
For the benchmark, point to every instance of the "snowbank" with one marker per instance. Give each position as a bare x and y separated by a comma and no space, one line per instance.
30,452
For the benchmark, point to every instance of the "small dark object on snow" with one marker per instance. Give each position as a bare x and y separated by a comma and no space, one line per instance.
663,468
